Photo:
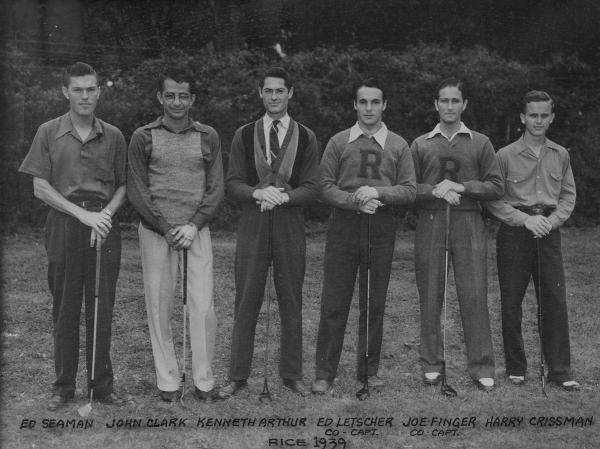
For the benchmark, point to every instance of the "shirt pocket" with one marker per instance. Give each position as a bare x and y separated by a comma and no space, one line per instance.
515,184
555,183
98,162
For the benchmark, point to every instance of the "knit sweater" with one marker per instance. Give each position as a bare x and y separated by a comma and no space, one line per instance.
346,166
469,160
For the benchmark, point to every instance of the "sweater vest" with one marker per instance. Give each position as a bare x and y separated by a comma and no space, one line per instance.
176,175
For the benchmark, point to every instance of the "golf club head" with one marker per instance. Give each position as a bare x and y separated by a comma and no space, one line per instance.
446,389
543,382
85,410
363,394
265,396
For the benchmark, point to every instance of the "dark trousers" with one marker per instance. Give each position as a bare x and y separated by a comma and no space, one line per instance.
345,248
468,255
517,263
71,276
251,266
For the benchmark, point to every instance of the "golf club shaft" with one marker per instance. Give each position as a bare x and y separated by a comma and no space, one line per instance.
184,296
446,389
368,298
96,294
539,312
266,392
446,263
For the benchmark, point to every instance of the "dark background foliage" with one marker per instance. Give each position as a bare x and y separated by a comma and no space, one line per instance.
501,49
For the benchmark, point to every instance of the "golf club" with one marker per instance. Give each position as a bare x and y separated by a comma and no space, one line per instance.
87,408
446,389
184,296
363,393
539,316
265,393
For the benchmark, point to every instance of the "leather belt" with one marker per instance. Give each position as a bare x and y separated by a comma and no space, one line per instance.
91,205
536,210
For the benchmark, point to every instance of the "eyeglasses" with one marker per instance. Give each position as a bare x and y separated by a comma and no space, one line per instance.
183,98
278,92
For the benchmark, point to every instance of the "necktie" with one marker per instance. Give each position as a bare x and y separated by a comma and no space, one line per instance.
274,141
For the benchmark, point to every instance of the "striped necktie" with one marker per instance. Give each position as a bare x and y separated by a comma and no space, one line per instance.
274,141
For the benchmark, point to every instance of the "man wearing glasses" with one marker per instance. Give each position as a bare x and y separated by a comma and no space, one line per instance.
175,183
272,174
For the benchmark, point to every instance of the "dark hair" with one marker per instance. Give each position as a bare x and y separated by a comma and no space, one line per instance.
370,82
277,72
77,69
177,74
537,95
451,82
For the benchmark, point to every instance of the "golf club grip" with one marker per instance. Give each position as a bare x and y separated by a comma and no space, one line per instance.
98,260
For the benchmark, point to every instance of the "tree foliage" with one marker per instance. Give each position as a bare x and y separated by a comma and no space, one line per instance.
227,97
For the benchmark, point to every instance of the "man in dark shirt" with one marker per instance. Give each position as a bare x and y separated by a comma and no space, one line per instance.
539,198
272,171
78,164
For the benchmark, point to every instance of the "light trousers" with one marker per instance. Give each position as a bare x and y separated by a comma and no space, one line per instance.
160,264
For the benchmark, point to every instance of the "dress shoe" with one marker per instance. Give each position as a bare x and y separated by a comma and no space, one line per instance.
232,388
432,378
485,383
376,382
569,385
170,396
517,380
112,399
58,402
296,386
321,386
207,396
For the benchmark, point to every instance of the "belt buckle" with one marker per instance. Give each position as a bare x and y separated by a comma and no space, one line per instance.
537,210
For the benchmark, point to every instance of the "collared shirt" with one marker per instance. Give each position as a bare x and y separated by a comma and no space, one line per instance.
438,130
530,180
93,168
282,128
380,136
139,153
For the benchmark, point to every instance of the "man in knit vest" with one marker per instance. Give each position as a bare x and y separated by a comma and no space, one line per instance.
272,174
175,183
78,164
456,166
540,196
365,170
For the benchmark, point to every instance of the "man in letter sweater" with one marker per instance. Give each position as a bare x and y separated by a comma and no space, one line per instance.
175,183
456,168
272,174
365,170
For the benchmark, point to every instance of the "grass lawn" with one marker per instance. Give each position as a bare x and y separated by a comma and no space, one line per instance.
28,371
